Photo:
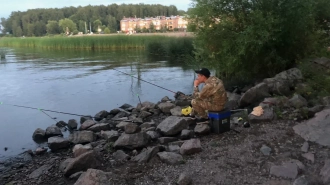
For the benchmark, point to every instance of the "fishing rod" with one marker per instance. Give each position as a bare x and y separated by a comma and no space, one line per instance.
145,81
43,110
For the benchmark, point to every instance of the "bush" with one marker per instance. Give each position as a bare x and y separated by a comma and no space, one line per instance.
257,38
106,30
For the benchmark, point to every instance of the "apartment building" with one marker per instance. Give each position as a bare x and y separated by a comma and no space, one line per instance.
159,22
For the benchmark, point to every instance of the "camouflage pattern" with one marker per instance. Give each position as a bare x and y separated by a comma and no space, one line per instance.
212,97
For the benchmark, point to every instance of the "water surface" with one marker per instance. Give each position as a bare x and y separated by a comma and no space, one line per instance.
80,82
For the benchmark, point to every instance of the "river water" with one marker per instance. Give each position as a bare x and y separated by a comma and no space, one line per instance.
80,82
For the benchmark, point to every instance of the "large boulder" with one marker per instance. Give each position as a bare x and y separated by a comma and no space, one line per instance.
146,155
102,114
87,124
232,101
190,147
256,93
286,170
84,118
325,172
316,129
72,124
267,116
121,114
176,111
146,104
132,128
166,107
55,143
172,125
80,149
170,158
39,135
53,131
110,136
82,163
94,177
82,137
100,126
132,141
298,101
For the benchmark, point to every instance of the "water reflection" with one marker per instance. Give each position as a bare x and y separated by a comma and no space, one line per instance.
80,82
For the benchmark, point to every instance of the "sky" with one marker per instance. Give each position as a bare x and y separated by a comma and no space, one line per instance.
8,6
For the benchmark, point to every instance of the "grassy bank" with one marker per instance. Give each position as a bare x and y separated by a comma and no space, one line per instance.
154,45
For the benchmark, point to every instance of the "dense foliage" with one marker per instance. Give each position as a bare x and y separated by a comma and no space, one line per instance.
39,22
258,38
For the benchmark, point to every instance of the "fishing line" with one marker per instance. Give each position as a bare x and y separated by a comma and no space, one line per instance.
145,81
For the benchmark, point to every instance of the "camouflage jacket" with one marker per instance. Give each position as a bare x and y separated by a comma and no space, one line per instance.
213,92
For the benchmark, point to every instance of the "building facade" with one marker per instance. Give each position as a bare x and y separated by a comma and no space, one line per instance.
159,22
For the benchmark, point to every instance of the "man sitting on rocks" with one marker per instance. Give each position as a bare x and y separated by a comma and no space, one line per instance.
212,97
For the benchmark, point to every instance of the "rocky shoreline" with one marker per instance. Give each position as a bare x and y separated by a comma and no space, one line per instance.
152,143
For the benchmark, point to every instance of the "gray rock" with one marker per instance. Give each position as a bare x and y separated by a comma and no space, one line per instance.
146,155
64,164
312,111
184,179
298,101
150,129
173,148
265,150
147,125
277,86
121,114
40,151
120,155
305,147
166,107
81,149
82,137
39,134
165,99
172,125
309,156
122,125
202,129
165,140
325,172
190,147
176,111
100,126
132,141
94,177
232,100
254,94
53,131
267,116
132,128
300,165
85,118
148,105
302,180
326,101
75,176
170,158
114,111
316,129
179,143
286,170
87,124
187,134
40,171
155,112
144,114
72,124
110,136
153,135
55,143
61,124
126,106
82,163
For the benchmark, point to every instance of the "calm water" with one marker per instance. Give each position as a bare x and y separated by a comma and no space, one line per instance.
80,82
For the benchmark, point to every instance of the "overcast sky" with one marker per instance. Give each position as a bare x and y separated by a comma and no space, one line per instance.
8,6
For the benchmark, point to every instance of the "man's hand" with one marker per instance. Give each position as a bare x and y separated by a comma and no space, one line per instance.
196,83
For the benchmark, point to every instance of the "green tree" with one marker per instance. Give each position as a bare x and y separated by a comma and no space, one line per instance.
106,30
67,24
152,28
52,27
112,23
96,25
256,38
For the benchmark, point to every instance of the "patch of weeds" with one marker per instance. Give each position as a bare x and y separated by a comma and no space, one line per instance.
109,147
214,143
278,112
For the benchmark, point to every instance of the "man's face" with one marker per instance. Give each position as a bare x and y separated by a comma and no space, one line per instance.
201,78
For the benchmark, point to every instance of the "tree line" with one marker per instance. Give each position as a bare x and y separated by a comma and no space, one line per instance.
40,22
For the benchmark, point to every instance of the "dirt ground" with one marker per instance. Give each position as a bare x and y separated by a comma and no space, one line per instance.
228,158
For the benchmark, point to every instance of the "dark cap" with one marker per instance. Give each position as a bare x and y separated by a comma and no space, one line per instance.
204,72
